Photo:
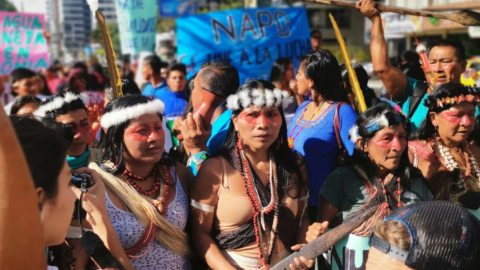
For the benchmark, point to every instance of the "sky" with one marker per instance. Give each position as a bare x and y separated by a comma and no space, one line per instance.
33,6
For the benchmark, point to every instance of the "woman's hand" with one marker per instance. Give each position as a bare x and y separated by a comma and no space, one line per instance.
315,230
94,199
301,263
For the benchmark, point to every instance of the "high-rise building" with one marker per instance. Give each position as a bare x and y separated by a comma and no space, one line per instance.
109,11
70,23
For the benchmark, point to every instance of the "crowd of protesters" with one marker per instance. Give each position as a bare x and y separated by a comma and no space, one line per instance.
162,184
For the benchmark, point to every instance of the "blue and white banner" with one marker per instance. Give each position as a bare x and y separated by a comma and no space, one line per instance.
177,8
137,24
250,39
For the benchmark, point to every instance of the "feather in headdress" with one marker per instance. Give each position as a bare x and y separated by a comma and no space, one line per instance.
115,79
351,72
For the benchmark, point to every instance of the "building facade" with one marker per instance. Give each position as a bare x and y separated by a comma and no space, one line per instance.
70,24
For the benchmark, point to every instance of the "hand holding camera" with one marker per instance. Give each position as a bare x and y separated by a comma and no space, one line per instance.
89,182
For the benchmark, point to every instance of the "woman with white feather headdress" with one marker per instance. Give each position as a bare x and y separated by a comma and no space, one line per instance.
249,199
379,174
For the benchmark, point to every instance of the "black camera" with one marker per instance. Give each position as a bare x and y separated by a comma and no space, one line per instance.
82,181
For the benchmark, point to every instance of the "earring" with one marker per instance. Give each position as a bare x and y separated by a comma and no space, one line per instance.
314,94
240,143
278,144
437,137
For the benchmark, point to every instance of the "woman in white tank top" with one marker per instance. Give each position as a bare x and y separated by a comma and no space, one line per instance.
147,193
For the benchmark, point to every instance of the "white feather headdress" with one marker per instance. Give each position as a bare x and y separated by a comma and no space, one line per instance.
256,97
117,117
58,103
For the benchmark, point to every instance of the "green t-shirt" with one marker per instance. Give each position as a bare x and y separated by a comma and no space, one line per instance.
346,191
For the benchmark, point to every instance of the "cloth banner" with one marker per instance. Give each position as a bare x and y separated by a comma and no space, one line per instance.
137,24
177,8
250,39
23,43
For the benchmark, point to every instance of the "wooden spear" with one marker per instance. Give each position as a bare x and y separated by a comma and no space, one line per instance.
464,17
327,240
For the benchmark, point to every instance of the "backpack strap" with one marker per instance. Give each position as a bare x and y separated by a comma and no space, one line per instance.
417,96
336,125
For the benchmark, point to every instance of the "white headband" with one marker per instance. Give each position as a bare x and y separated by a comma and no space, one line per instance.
120,116
58,103
256,97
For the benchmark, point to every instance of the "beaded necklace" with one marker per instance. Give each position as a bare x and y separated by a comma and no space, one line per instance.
449,162
399,192
258,209
291,139
159,204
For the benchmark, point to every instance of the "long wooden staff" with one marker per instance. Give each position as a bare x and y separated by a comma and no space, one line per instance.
327,240
464,17
352,75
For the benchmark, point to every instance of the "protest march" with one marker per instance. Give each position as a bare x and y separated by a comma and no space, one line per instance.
257,136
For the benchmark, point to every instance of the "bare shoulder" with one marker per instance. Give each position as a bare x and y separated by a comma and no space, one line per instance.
208,178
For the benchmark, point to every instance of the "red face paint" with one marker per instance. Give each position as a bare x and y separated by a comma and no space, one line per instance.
393,142
80,128
145,133
261,117
459,118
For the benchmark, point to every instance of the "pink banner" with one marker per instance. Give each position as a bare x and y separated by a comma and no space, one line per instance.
22,43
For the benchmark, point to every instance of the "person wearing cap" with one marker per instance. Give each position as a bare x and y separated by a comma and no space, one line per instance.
426,236
200,141
441,149
379,174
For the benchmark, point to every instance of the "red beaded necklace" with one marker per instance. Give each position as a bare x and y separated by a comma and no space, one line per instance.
159,205
258,210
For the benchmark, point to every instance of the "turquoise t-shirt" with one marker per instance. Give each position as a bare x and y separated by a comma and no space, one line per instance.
421,112
345,190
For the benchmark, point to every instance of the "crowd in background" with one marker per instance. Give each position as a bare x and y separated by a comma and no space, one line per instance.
274,166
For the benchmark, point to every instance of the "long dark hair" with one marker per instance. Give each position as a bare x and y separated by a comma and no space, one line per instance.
361,159
45,144
322,67
289,162
111,142
446,90
279,68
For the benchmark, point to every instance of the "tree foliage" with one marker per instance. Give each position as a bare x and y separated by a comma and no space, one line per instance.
112,27
7,6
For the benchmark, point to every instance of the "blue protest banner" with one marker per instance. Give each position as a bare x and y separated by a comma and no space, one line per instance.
137,24
250,39
177,8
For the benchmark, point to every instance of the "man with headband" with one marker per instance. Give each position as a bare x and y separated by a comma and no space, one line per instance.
446,58
435,235
200,140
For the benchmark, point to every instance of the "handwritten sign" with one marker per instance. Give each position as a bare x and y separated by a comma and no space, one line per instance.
22,44
137,24
250,39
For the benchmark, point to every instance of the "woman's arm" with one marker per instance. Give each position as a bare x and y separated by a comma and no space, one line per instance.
21,236
185,176
204,191
98,219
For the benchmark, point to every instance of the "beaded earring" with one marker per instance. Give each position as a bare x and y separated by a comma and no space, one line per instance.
240,143
437,137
